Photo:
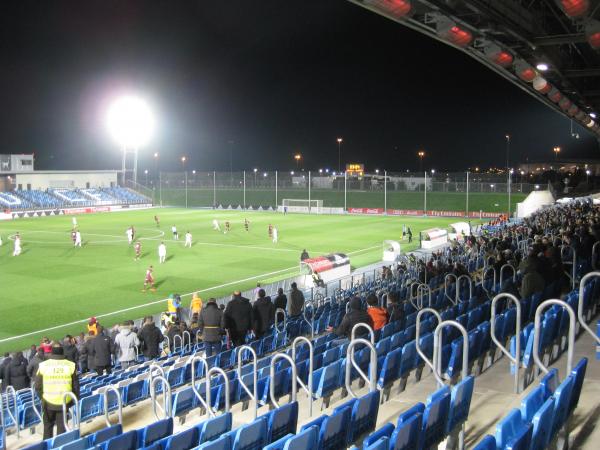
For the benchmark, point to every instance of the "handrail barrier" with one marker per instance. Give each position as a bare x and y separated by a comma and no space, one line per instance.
310,322
418,335
372,378
198,332
2,422
308,388
137,353
367,327
277,312
108,389
411,296
76,415
197,393
274,359
166,408
458,289
483,278
155,367
14,415
168,341
175,339
208,379
595,256
582,321
514,273
421,291
453,301
35,410
240,360
187,347
536,335
516,360
437,348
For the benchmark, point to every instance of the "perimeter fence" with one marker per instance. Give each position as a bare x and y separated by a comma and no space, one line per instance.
381,190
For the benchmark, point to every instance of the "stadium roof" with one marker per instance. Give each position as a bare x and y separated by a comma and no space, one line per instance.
547,48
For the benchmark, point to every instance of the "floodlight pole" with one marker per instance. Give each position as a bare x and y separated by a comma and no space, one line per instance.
508,186
309,191
214,189
467,206
275,190
244,189
385,192
160,187
425,195
186,188
345,190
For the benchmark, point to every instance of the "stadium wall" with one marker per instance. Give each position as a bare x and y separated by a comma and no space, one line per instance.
66,179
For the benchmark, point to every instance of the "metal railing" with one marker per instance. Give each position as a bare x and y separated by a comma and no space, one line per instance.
240,360
308,388
108,389
458,287
437,349
14,415
418,335
516,360
453,301
168,344
75,415
274,359
351,363
595,255
580,317
197,393
483,278
166,407
310,322
208,380
175,346
367,327
536,335
423,289
187,347
277,312
514,273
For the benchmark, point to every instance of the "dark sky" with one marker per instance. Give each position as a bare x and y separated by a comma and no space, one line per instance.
263,78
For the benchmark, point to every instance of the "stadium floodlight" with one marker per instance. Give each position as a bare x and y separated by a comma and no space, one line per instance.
542,67
255,170
292,172
376,170
593,115
265,174
320,170
130,122
194,171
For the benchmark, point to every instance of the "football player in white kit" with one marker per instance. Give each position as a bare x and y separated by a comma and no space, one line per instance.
77,239
188,239
275,235
74,220
162,253
17,245
175,233
216,225
129,235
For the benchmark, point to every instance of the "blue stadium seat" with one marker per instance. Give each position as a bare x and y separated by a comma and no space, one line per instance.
91,407
562,403
305,440
460,403
334,430
407,434
542,426
79,444
184,401
325,381
282,421
532,403
43,445
435,417
407,363
364,415
389,372
578,374
512,427
134,392
384,432
105,434
155,432
222,443
487,443
125,441
63,439
214,427
184,440
252,436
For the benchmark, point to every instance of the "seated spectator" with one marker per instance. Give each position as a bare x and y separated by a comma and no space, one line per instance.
379,315
395,309
352,317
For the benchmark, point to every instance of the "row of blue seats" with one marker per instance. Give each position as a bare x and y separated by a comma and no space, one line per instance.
544,412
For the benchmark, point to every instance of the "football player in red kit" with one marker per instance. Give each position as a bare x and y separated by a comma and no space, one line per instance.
138,250
149,280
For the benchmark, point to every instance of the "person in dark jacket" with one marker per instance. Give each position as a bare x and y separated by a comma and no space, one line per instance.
150,337
280,302
211,324
263,312
15,373
296,301
356,315
69,349
102,348
172,331
5,362
88,351
238,318
33,365
395,309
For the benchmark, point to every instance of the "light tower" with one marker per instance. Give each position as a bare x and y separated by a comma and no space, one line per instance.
131,124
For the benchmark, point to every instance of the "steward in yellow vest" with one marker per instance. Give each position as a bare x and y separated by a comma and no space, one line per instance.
55,377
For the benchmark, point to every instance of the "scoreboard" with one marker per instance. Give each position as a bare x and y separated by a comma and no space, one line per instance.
355,169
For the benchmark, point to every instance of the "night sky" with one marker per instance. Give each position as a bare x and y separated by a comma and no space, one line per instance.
263,79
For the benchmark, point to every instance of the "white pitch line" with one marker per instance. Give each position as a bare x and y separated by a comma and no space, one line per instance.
57,327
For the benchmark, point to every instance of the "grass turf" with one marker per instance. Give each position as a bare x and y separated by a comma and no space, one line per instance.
439,201
52,283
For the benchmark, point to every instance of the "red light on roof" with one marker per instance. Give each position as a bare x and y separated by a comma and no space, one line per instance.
399,8
503,59
459,37
594,40
555,96
575,8
527,74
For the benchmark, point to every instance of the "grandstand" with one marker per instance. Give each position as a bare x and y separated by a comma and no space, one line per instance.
465,368
62,198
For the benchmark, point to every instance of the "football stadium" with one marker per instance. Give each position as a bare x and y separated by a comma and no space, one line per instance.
363,224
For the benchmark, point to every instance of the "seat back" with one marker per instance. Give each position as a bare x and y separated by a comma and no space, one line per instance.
562,402
105,434
578,373
435,417
509,427
381,444
487,443
63,439
521,440
222,443
252,436
214,427
282,421
532,403
364,414
79,444
306,440
407,434
334,430
155,431
542,425
460,401
125,441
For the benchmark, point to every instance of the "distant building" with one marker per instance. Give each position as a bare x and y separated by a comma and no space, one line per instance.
562,165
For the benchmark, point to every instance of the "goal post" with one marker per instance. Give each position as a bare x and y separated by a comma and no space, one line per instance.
301,205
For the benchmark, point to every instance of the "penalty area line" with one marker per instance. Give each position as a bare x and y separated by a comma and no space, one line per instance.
155,302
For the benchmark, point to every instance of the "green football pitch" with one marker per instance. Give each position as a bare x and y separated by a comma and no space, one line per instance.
52,288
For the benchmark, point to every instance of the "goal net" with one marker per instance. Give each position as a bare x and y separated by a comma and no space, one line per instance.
301,205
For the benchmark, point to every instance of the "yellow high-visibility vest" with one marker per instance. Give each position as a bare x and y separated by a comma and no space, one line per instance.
57,379
171,308
196,305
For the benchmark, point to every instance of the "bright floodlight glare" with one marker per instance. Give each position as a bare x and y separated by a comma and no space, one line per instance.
130,122
593,115
542,67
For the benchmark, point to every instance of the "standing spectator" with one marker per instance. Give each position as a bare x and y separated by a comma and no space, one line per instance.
379,315
5,362
172,331
34,364
238,318
15,373
304,255
280,303
125,343
69,349
103,348
174,306
256,290
31,352
150,338
82,359
93,326
46,345
211,324
263,312
395,309
409,232
55,377
195,304
296,301
352,317
88,350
